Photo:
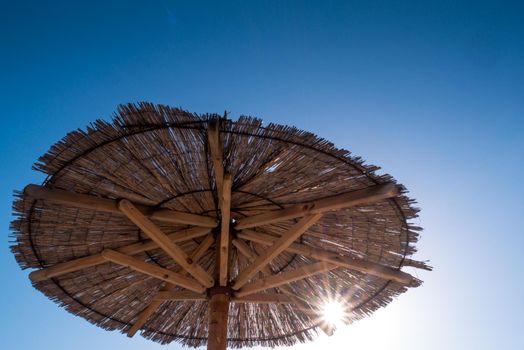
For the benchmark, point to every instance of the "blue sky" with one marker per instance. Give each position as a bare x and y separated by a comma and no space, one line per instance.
432,92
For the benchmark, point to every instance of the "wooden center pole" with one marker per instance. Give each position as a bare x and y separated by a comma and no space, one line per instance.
218,314
220,293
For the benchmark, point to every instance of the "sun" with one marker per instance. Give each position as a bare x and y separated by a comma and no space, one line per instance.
333,313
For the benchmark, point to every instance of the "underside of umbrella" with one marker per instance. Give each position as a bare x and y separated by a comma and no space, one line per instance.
204,230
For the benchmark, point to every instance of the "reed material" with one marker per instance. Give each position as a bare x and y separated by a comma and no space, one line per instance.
298,222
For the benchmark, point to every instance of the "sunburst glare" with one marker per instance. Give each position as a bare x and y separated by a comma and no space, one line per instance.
333,313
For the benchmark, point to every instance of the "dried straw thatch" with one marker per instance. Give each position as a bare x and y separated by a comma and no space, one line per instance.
158,156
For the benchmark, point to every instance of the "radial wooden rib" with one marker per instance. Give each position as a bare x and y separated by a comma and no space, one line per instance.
345,200
201,249
360,265
300,305
215,147
143,317
285,278
153,270
111,206
225,208
245,250
96,259
196,255
276,248
179,296
66,267
173,250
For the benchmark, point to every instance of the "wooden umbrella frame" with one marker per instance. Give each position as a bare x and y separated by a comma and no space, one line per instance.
218,288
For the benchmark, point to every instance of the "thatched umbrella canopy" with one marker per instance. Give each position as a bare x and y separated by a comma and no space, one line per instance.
195,228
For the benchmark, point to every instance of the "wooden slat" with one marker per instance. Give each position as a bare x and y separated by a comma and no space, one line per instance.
111,206
96,259
215,147
360,197
152,270
179,296
284,278
224,231
143,317
276,248
360,265
171,249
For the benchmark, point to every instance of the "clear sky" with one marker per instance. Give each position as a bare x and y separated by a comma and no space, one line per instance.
431,91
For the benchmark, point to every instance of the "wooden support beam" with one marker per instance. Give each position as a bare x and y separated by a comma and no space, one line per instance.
225,208
300,305
345,200
218,317
97,259
143,317
202,249
360,265
153,270
196,255
285,278
179,296
111,206
175,295
66,267
245,250
276,248
215,147
173,250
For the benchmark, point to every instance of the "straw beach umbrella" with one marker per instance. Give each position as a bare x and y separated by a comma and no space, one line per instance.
203,230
